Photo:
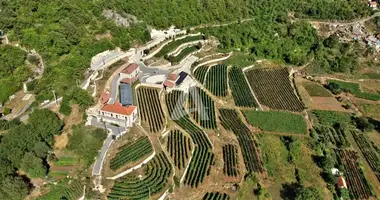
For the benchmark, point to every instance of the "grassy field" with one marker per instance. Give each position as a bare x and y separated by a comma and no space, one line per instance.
354,88
277,121
314,89
329,118
369,110
65,161
275,157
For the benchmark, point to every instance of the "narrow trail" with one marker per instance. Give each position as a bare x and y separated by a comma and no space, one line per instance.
377,14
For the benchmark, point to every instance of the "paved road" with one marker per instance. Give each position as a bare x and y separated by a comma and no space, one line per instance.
114,89
114,131
346,23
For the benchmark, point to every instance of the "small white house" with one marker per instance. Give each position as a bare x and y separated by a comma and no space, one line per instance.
130,72
117,114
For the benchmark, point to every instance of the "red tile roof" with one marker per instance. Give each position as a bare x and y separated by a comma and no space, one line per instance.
172,77
130,68
105,97
117,108
169,84
341,182
128,80
373,3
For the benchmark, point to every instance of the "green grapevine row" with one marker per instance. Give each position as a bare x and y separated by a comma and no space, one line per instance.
202,107
216,80
155,180
251,153
150,108
273,88
240,90
131,152
230,160
179,148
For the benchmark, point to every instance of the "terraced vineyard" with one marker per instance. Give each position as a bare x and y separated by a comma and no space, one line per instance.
176,43
74,191
215,196
273,89
131,152
230,160
336,137
185,52
240,89
370,154
179,148
216,80
252,157
150,108
203,157
200,73
155,180
203,108
356,182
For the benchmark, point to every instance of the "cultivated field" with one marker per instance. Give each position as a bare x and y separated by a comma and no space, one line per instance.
200,73
176,43
203,156
251,153
315,89
369,152
202,107
230,160
240,90
150,108
179,148
216,196
131,152
284,122
356,182
155,180
216,80
273,89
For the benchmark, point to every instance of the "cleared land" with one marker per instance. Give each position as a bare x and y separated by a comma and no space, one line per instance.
274,89
240,90
150,108
276,121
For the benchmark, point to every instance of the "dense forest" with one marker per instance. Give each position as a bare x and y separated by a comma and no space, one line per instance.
68,33
183,13
13,71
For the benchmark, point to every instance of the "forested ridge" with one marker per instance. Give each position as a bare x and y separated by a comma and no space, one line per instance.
64,32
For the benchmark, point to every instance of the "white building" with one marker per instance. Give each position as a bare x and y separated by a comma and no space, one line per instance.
117,114
130,73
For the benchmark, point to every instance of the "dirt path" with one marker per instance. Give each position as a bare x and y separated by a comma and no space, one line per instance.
344,23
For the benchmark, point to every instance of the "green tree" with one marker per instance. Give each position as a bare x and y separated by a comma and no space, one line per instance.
33,166
309,193
13,188
48,127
